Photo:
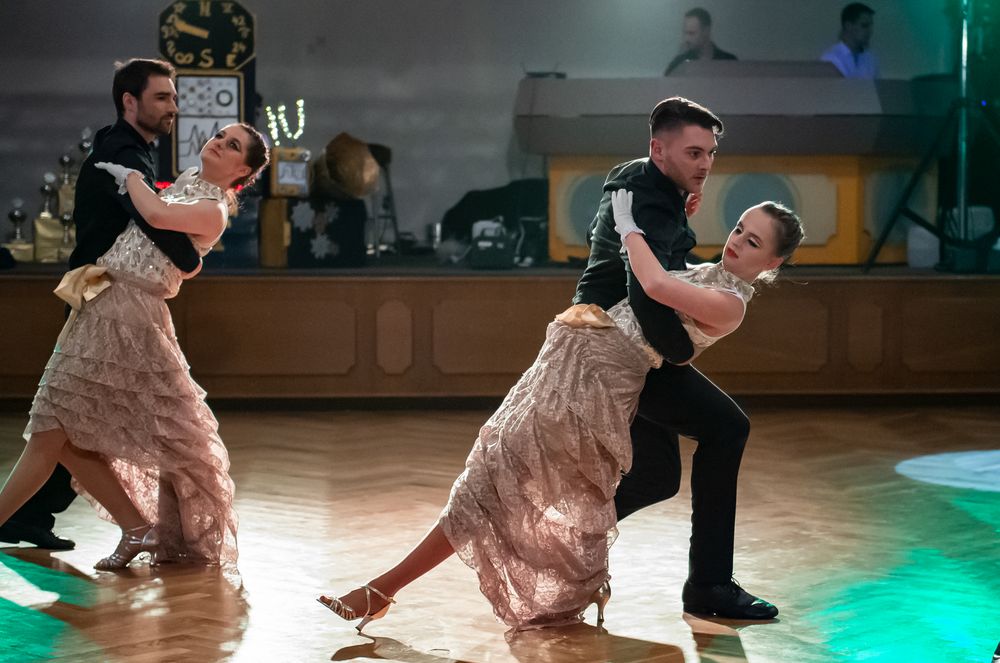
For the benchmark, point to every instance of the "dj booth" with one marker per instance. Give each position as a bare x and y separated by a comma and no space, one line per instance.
838,151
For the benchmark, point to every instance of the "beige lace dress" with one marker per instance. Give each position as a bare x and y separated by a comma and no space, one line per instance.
118,384
533,512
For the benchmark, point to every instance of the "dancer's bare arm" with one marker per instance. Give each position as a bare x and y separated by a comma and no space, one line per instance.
720,311
204,219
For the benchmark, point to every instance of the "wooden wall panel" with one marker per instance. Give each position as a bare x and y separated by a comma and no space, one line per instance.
787,336
478,336
30,320
951,334
270,335
473,334
394,337
864,336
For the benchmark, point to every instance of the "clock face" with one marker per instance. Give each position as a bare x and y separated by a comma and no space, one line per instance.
207,34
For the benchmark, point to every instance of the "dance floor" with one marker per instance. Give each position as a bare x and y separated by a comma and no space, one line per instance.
876,530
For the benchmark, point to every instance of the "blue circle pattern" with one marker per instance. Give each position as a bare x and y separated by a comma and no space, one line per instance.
583,201
749,189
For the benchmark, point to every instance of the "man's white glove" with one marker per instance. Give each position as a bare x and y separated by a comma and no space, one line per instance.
621,205
120,173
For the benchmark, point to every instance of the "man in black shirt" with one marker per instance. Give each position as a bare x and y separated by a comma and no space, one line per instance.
677,399
146,101
697,41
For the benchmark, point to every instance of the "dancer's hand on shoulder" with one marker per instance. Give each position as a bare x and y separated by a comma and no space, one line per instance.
120,173
692,204
621,206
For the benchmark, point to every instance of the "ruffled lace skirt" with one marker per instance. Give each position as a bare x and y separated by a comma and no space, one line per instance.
533,512
118,385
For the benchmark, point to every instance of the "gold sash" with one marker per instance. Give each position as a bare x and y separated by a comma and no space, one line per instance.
585,315
82,285
78,286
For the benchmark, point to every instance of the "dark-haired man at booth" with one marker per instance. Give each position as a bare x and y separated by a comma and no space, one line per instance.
696,41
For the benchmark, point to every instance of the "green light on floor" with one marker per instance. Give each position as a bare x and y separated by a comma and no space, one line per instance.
71,589
28,635
933,597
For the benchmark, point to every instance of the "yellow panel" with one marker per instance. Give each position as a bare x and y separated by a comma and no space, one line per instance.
840,198
565,174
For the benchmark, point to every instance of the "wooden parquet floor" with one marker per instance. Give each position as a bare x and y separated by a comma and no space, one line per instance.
865,563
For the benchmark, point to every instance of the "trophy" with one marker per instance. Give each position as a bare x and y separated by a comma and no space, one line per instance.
68,237
21,249
67,184
85,143
48,229
67,180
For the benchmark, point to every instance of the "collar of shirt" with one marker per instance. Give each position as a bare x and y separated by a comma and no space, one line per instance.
123,125
664,183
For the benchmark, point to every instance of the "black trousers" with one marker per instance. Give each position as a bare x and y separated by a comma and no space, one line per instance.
680,400
53,497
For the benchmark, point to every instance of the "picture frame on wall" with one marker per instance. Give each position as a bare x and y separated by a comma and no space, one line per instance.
206,101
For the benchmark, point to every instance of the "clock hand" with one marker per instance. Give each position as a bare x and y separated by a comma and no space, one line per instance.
184,26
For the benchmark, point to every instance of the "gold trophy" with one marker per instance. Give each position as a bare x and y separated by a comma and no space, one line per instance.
68,238
21,249
67,184
67,194
84,146
48,229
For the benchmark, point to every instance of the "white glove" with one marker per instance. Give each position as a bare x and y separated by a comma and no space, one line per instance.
621,205
120,173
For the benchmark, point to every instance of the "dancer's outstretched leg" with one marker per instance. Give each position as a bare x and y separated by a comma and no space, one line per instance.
94,474
372,600
33,468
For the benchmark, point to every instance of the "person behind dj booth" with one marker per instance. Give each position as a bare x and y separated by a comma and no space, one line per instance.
696,40
851,55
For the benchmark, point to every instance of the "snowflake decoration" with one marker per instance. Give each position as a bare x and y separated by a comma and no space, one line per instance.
302,221
320,247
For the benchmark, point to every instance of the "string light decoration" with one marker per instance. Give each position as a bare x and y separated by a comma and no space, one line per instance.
272,126
281,118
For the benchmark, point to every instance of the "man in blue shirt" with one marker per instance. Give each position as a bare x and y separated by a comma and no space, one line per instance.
850,55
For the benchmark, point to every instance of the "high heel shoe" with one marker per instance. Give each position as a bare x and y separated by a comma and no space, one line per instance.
132,543
600,597
345,611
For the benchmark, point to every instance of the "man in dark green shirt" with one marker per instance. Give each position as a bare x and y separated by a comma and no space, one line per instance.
677,398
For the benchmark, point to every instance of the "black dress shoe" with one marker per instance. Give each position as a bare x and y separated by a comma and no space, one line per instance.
11,532
725,599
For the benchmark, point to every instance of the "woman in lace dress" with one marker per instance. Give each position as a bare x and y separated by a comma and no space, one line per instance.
116,404
533,512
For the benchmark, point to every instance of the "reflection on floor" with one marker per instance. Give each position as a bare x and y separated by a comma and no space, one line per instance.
866,563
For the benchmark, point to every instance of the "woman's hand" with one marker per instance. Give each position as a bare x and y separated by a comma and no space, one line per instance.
621,206
191,275
692,204
120,173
